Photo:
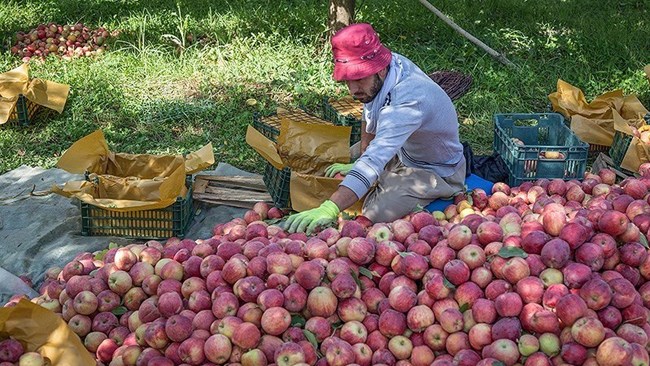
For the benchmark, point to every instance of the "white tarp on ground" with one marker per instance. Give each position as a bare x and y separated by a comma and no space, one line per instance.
39,232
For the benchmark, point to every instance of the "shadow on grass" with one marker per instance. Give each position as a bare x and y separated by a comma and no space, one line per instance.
220,18
173,126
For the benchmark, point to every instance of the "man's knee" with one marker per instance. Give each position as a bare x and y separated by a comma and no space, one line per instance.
383,209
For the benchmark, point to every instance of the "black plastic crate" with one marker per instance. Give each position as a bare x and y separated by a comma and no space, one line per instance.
621,144
344,112
541,133
23,112
277,182
269,126
164,223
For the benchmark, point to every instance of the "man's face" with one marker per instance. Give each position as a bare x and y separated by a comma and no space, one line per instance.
365,89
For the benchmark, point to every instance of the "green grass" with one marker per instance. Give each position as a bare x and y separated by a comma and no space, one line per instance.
147,97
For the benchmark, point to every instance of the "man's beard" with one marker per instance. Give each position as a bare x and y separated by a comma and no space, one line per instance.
377,83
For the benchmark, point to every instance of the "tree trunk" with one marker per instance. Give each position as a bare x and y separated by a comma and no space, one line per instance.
341,14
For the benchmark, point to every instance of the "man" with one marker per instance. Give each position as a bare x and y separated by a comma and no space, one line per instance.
410,149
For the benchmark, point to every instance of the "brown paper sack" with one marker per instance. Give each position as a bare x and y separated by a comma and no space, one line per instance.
42,331
593,131
128,182
309,149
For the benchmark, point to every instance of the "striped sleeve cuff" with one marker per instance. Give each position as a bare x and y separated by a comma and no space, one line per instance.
359,180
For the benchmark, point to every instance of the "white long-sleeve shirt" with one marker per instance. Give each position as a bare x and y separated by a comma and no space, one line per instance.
415,120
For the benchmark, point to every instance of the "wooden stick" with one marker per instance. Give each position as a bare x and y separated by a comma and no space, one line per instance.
500,57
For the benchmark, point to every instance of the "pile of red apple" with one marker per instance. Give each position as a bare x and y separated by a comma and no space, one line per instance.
12,353
66,41
547,273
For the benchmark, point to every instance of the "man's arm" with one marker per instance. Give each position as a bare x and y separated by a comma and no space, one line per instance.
344,197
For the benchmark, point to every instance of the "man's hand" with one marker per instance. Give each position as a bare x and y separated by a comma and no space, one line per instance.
309,220
338,168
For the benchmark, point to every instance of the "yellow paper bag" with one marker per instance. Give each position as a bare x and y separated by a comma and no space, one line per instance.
199,159
42,92
264,147
632,108
91,154
627,126
42,331
309,191
637,154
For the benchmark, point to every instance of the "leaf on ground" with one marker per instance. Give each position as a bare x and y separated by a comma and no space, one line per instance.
100,255
311,338
297,320
368,273
120,310
643,240
509,252
448,284
356,279
272,221
464,307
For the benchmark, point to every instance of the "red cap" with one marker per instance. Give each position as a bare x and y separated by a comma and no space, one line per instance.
358,52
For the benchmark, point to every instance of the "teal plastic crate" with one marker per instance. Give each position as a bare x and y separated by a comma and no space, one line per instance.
159,224
619,147
540,133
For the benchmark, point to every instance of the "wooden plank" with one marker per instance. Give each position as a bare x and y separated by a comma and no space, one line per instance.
236,181
248,205
220,200
239,194
236,191
200,185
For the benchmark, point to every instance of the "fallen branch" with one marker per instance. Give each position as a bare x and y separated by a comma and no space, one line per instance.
500,57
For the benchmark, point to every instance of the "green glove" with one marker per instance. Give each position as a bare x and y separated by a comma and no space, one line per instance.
324,214
338,168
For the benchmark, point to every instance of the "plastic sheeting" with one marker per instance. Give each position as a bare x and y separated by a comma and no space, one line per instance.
39,232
